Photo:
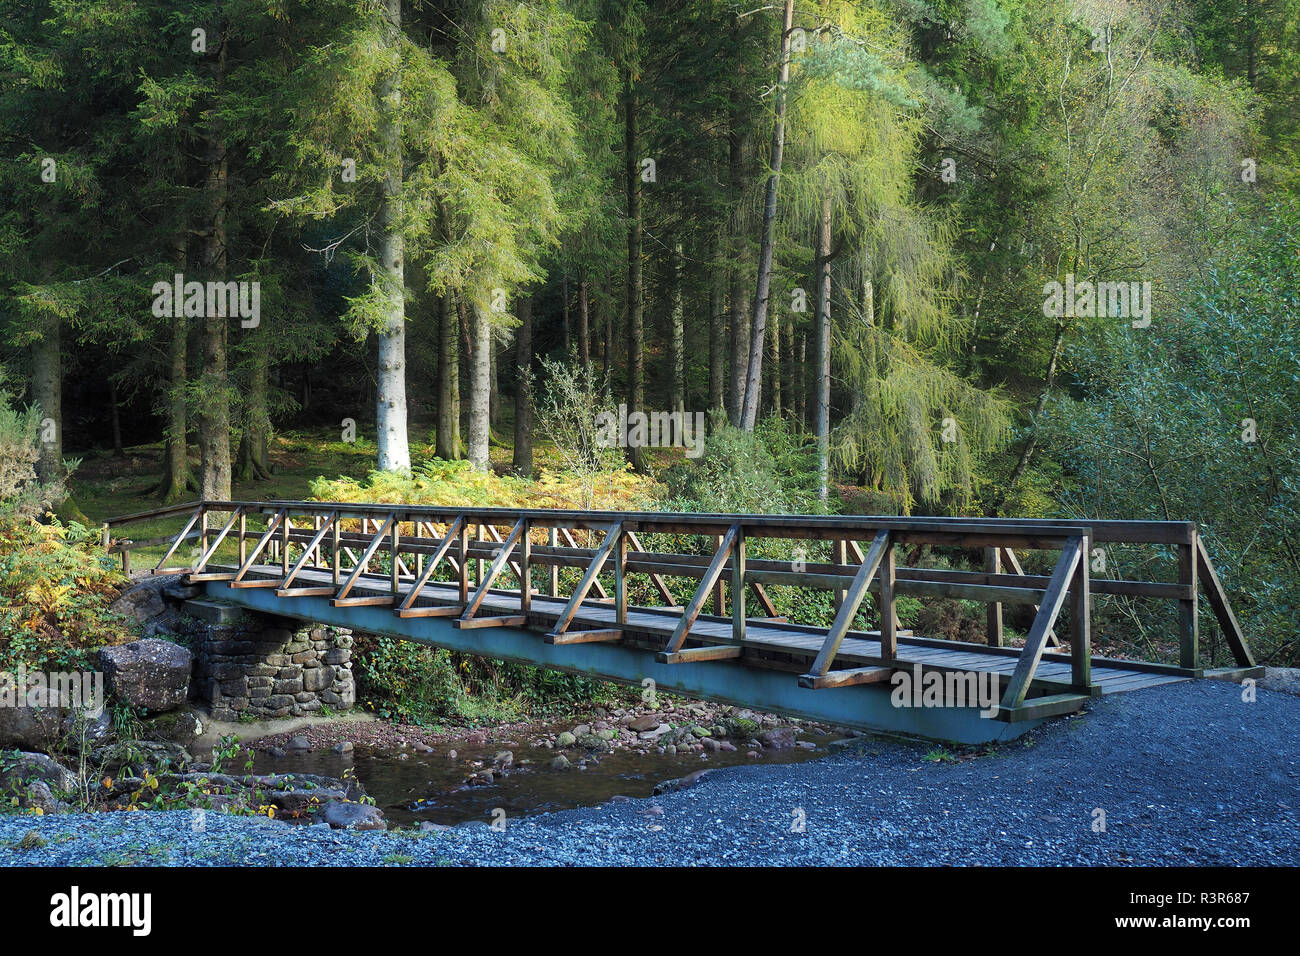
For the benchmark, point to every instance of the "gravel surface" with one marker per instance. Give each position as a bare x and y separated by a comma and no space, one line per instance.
1185,774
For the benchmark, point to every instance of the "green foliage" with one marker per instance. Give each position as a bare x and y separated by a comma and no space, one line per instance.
22,494
770,470
56,586
1194,418
422,685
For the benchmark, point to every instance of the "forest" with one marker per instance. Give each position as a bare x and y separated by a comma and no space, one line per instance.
1027,258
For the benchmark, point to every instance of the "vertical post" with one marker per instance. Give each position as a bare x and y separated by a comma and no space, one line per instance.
396,537
203,530
553,583
479,538
525,568
284,550
719,603
334,544
126,561
888,614
738,587
103,536
840,556
993,610
1189,651
243,544
464,562
1080,621
620,579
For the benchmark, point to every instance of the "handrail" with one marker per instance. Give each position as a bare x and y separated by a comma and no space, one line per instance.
624,554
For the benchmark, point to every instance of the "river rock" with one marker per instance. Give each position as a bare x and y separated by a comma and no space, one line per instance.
299,743
503,759
592,742
18,771
152,673
565,739
342,815
781,738
681,783
31,728
343,747
181,726
560,762
642,724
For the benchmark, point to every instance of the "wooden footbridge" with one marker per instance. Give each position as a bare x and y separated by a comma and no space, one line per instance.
450,577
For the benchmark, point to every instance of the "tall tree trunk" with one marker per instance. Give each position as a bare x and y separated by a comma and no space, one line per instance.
785,361
823,424
564,314
115,418
494,391
214,413
178,480
717,333
254,443
739,345
635,344
1031,445
447,442
677,337
774,376
390,398
607,356
523,463
466,355
749,414
584,325
47,394
480,387
801,384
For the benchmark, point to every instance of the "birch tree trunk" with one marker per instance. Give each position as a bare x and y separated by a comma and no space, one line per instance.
480,386
390,397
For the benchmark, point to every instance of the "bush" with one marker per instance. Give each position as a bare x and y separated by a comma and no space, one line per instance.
56,585
22,494
422,685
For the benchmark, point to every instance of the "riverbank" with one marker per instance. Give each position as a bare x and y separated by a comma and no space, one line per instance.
1185,774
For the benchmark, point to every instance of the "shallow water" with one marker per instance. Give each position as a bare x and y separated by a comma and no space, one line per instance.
431,786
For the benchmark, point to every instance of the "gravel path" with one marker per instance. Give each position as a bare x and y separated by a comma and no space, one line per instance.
1185,774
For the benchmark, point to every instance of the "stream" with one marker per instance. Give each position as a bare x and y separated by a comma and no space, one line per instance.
412,787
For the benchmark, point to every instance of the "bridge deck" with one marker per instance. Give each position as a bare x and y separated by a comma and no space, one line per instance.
372,567
772,643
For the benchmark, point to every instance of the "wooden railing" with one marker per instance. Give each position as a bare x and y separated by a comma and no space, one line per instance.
346,540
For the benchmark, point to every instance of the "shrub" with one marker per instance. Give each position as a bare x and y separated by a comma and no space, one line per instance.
56,585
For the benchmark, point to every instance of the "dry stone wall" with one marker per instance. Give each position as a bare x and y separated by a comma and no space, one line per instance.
259,667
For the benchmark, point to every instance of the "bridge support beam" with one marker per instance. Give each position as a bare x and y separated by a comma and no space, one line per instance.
863,706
